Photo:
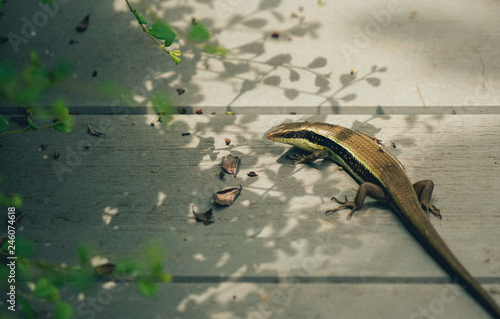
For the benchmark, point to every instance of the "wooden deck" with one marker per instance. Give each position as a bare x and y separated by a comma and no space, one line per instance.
426,84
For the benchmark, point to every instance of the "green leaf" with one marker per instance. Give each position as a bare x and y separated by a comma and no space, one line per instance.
82,255
199,33
162,31
162,106
82,280
165,277
45,289
147,288
139,17
4,124
34,59
16,201
60,110
63,127
63,310
176,59
32,124
28,311
24,247
215,49
126,267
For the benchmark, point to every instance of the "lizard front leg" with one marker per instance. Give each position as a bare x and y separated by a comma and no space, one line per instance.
321,153
365,189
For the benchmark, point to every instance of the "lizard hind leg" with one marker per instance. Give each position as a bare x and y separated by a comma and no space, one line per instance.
424,191
365,189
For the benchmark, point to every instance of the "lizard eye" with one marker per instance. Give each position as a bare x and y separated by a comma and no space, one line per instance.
288,135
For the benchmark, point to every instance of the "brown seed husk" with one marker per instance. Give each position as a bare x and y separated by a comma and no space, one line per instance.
226,197
230,164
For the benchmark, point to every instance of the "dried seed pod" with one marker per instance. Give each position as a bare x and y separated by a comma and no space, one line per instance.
227,140
252,174
83,25
226,197
204,217
105,269
230,164
93,131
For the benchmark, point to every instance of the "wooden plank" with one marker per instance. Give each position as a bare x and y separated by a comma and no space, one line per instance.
282,300
139,183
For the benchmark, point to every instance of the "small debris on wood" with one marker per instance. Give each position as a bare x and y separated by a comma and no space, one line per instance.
156,170
56,155
226,197
393,145
199,111
19,215
229,113
230,164
213,113
204,217
453,112
152,123
87,146
93,131
104,269
293,113
83,25
159,119
252,174
275,34
354,71
182,111
227,140
73,113
133,123
43,147
94,74
221,174
341,168
180,91
71,42
186,134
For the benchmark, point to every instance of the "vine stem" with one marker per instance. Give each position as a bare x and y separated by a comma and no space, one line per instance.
26,130
146,30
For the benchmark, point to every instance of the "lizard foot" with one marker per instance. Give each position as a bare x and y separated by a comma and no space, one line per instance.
432,209
344,204
298,158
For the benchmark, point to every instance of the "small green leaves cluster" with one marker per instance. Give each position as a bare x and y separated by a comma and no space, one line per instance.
25,89
50,279
10,201
147,272
161,31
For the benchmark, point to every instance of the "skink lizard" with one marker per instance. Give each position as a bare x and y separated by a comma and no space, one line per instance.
381,176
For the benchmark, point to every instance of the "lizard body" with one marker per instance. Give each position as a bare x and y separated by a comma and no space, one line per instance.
382,177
